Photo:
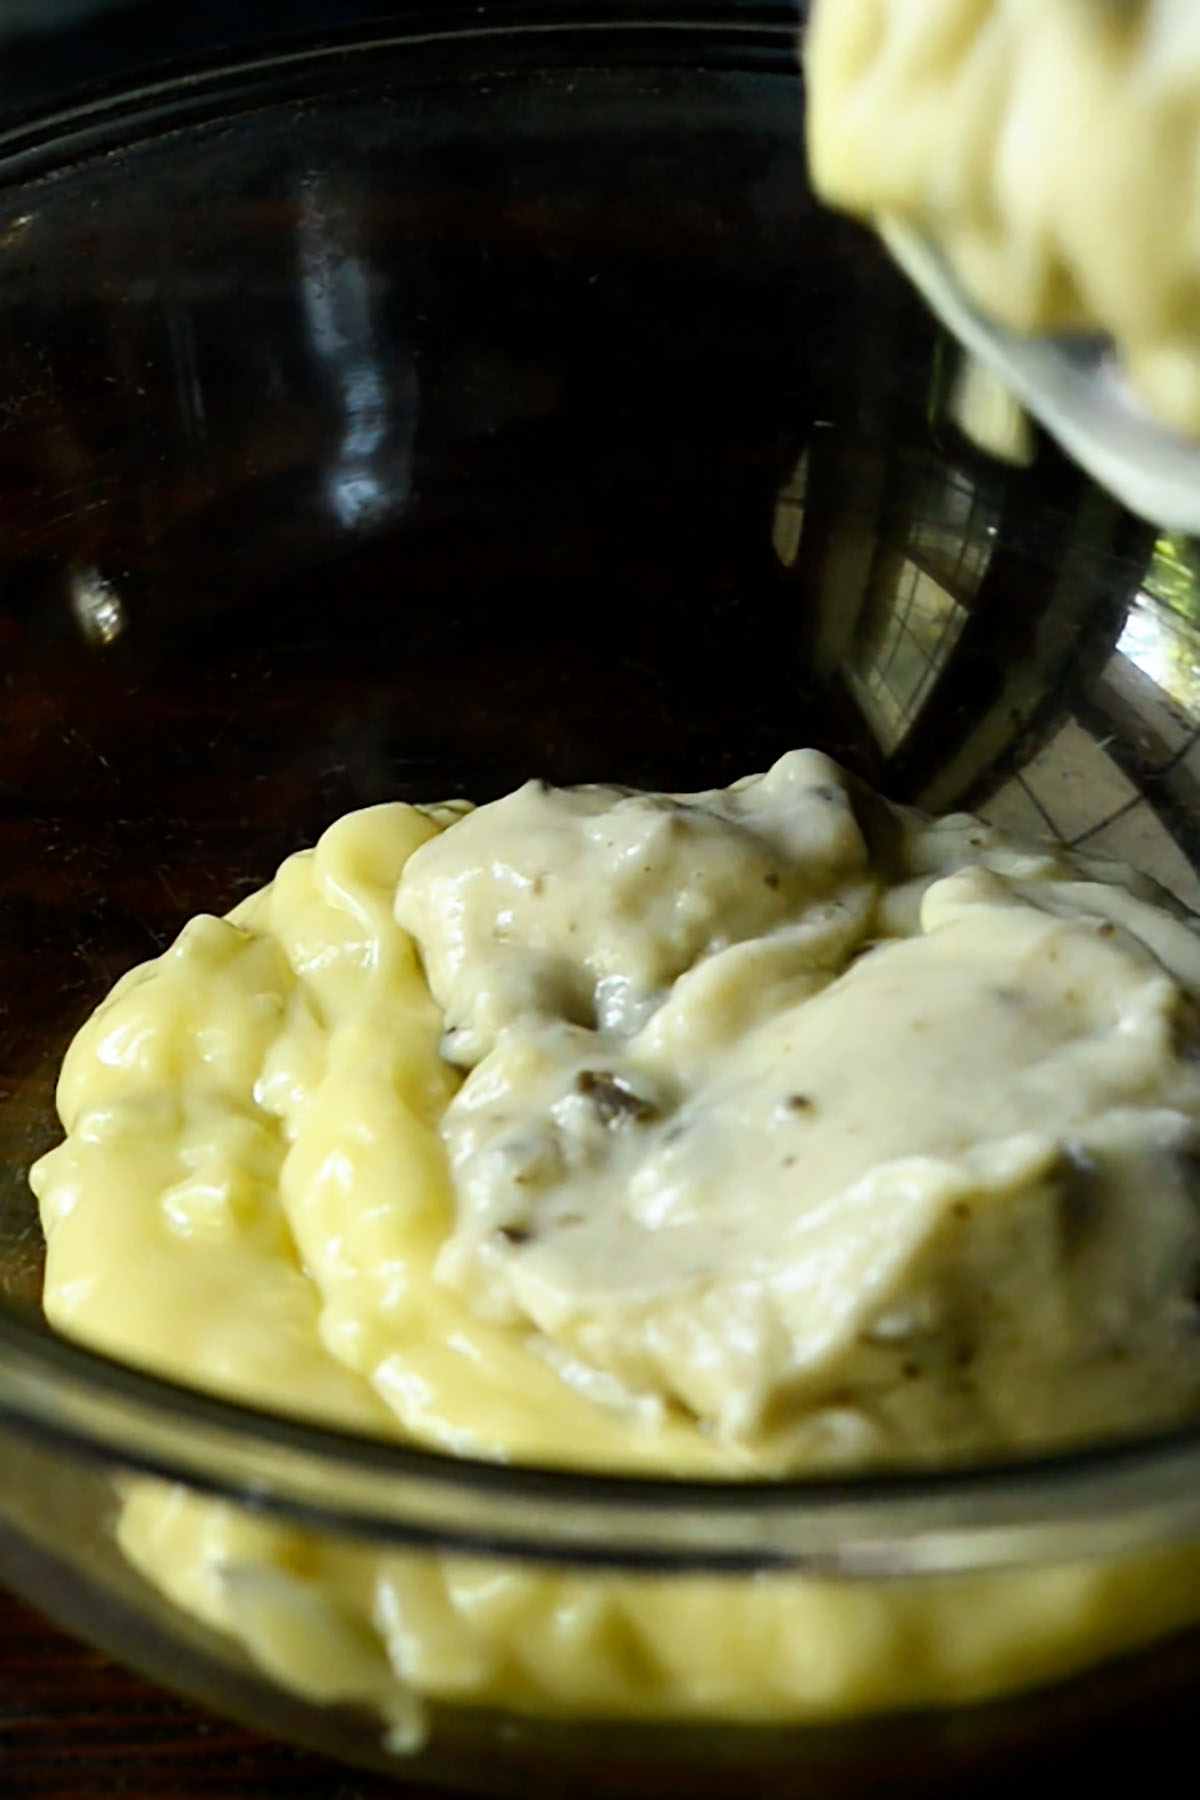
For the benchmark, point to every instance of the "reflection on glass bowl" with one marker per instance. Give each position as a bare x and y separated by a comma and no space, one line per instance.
403,421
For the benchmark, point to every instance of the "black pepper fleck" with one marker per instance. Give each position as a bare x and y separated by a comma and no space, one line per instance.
614,1102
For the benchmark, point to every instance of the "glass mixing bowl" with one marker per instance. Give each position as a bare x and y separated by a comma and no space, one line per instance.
401,417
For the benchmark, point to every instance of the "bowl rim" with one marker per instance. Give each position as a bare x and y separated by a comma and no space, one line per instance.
747,33
1097,1501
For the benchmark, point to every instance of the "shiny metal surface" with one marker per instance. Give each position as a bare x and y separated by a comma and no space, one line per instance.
1075,387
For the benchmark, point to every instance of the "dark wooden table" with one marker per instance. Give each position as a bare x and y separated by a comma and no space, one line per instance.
74,1726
